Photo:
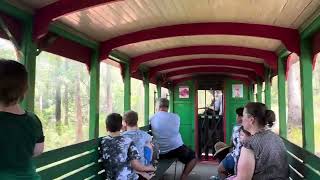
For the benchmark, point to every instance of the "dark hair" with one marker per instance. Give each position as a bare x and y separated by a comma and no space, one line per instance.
131,118
163,102
245,131
13,82
114,122
239,111
260,112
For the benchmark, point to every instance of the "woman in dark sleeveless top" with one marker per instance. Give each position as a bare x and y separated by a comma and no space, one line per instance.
263,156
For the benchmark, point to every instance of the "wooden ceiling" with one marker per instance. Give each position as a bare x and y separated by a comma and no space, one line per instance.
106,20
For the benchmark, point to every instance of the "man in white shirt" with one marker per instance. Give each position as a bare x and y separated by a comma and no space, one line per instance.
165,129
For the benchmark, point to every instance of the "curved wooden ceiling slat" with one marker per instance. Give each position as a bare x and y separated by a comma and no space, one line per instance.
136,15
246,80
289,37
165,60
45,15
268,56
210,70
145,47
258,68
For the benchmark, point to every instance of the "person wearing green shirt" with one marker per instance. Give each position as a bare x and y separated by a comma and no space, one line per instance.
21,134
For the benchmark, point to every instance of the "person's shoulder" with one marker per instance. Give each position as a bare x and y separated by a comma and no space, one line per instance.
33,118
144,134
126,139
236,127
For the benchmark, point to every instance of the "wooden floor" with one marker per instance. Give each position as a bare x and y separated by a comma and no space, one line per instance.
202,171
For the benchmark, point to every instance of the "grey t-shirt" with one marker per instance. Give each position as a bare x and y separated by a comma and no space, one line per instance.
270,156
165,129
140,139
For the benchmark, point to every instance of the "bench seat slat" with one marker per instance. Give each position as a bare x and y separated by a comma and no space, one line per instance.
66,152
69,166
303,154
85,173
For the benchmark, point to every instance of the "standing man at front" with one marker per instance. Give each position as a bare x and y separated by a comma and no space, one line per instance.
165,129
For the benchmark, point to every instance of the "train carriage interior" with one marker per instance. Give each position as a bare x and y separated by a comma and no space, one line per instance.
88,58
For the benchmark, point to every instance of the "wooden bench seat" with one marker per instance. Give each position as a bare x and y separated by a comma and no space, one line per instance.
81,161
302,164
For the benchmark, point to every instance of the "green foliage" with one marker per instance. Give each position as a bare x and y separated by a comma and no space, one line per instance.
53,72
7,50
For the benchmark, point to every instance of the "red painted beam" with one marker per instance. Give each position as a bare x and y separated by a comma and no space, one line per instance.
289,37
211,70
69,49
45,15
243,79
257,67
269,56
13,25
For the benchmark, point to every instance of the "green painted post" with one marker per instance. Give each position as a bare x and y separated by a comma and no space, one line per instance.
267,91
251,93
171,98
94,95
259,91
127,88
282,96
146,99
29,55
307,95
159,89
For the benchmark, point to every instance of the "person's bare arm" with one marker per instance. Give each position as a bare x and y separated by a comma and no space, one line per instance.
136,165
246,165
38,149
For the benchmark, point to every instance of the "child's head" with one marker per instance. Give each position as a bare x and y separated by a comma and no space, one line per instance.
130,118
13,82
114,122
243,134
239,112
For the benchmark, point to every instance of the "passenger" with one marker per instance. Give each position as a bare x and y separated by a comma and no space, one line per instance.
236,138
243,137
221,151
227,165
21,134
165,129
141,139
119,154
263,155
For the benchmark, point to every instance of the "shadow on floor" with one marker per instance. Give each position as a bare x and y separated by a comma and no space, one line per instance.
202,171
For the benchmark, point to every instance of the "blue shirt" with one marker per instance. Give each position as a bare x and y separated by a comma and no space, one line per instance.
140,139
165,129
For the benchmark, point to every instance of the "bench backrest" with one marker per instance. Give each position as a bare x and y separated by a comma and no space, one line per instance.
77,161
303,164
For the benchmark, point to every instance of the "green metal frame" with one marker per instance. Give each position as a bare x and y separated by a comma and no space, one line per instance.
94,95
251,93
127,88
311,29
282,95
159,89
267,90
15,12
146,98
119,57
29,54
259,91
307,95
66,32
171,98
